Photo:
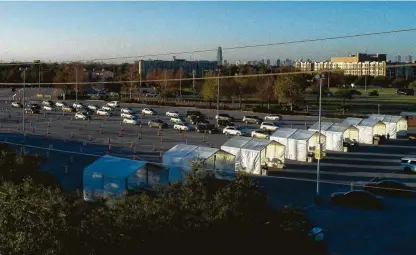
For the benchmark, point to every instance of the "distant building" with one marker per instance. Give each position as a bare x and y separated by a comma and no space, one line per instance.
238,62
219,56
305,66
287,62
176,64
361,57
278,62
407,59
397,59
99,75
268,62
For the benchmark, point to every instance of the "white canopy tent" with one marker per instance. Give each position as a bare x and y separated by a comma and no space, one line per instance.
281,136
253,153
336,133
184,156
302,142
395,125
367,128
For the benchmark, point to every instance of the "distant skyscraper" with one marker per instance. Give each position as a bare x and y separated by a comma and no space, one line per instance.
397,58
262,61
225,62
268,62
407,59
219,56
288,62
278,62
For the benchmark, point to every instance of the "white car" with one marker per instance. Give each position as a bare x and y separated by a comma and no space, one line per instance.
114,104
172,114
273,117
151,94
17,105
183,126
131,120
48,108
92,107
47,102
408,164
126,110
103,112
127,115
78,105
233,131
269,126
81,116
149,111
107,108
60,104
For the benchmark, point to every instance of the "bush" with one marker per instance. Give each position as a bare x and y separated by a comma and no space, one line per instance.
355,92
373,93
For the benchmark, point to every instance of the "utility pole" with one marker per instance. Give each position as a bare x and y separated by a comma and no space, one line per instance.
365,82
318,197
76,84
131,80
180,82
193,82
218,92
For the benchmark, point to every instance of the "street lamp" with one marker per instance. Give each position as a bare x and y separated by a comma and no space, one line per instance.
319,77
76,84
218,92
24,94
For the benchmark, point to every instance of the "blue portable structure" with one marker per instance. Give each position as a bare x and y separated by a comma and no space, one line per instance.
111,176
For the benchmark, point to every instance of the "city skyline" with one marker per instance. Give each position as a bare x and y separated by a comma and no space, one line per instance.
47,30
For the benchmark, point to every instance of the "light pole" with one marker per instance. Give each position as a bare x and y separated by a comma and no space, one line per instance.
378,109
318,197
218,92
180,82
131,80
76,84
23,100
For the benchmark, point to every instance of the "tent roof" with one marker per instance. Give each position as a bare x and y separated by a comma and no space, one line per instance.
386,118
302,134
115,167
369,122
191,151
352,121
324,126
237,141
256,144
284,132
202,152
180,150
340,127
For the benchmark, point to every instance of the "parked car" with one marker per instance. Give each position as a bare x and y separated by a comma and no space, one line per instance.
149,111
224,116
198,113
233,131
30,109
358,198
60,104
389,187
126,110
151,94
177,120
66,108
183,126
17,105
131,120
225,123
92,107
127,115
252,119
47,102
78,105
260,134
408,164
48,108
157,123
172,114
206,128
269,126
107,108
273,117
114,104
82,116
195,119
103,112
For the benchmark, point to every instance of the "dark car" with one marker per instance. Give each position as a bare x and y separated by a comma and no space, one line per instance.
206,128
225,123
389,187
30,109
252,120
157,123
358,198
197,113
194,119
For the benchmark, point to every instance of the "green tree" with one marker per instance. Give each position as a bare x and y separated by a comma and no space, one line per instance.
380,81
289,88
315,89
412,85
266,92
399,82
209,87
70,73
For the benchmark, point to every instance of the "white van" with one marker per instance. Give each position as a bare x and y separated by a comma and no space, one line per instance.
408,164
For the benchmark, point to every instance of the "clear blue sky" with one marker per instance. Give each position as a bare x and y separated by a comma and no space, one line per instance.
86,30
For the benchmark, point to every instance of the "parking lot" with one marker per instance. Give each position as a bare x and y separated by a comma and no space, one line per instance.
349,230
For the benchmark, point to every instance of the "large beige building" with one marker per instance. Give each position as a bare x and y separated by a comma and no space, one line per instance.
360,64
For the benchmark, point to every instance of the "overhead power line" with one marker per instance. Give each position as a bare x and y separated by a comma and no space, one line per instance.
207,77
239,47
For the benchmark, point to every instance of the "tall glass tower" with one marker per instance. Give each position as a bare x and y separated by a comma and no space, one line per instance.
219,56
